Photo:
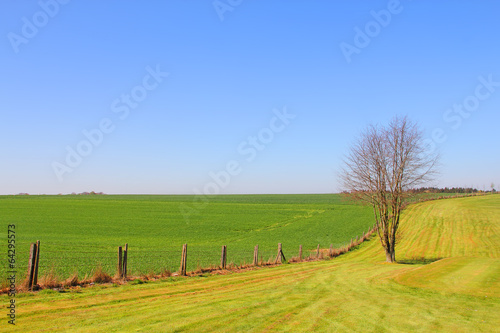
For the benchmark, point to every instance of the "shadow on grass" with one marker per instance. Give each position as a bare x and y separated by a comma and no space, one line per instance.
418,261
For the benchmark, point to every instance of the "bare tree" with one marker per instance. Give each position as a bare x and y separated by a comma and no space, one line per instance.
381,167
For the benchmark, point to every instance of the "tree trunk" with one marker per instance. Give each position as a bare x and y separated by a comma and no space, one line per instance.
390,253
388,256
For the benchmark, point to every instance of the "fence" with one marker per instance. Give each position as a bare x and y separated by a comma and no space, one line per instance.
126,261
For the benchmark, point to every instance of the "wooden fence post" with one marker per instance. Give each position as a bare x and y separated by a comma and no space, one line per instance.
183,260
300,253
37,259
317,252
280,257
223,257
256,255
125,259
120,262
31,265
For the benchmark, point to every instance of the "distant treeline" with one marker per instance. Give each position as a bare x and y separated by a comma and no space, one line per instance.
88,193
74,193
445,190
442,190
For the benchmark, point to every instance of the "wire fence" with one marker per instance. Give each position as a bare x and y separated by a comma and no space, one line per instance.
140,260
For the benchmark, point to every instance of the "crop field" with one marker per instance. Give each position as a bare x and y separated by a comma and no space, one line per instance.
447,280
79,233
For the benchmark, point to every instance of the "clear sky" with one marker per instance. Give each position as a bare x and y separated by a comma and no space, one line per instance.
183,97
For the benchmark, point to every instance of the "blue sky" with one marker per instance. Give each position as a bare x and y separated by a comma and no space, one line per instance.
260,97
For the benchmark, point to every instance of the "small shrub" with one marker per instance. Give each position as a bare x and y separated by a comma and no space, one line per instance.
49,280
72,281
100,276
166,273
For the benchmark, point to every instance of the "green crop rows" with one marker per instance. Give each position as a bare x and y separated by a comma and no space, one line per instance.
79,233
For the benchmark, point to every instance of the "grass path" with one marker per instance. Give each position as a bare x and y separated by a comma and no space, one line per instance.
355,292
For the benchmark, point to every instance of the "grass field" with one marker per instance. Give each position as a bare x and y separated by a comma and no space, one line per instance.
354,292
78,233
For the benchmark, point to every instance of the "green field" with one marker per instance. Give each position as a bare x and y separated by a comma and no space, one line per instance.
79,233
355,292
